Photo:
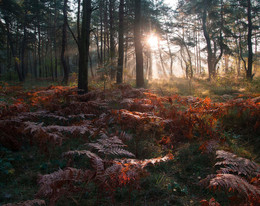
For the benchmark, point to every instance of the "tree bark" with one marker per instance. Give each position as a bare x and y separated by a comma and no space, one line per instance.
120,65
249,42
209,49
138,45
84,47
112,37
64,44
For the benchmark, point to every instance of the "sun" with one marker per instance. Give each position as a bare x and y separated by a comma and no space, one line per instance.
153,41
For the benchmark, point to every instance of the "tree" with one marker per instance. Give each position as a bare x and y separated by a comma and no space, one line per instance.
64,43
84,47
249,41
210,13
138,45
120,65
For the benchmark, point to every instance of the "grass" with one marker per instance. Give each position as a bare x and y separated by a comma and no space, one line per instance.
203,88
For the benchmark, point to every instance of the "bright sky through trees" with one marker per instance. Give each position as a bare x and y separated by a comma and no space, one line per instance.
172,3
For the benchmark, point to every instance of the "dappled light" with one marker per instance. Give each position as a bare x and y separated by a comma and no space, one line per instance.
117,102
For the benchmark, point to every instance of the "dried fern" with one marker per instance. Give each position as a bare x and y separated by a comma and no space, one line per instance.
111,146
230,183
62,183
228,177
27,203
234,164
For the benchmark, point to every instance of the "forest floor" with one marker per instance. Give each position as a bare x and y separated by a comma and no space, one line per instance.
128,146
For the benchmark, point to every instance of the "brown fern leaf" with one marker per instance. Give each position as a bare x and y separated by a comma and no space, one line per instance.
29,116
96,161
61,183
209,146
234,164
27,203
82,129
144,163
91,107
82,152
40,135
111,146
231,182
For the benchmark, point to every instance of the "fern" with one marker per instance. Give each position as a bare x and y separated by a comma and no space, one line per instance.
229,179
61,183
234,164
27,203
211,202
230,183
111,146
144,163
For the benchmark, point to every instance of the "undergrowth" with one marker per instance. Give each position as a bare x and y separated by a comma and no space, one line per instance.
126,146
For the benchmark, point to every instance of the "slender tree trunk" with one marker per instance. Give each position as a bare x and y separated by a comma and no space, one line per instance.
106,31
101,3
13,50
249,42
24,45
138,45
209,49
90,65
170,54
55,42
78,20
112,37
84,47
64,43
120,65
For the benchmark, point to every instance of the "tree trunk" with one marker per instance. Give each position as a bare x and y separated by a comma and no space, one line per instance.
101,30
112,35
55,42
24,45
120,65
64,44
138,45
90,65
249,42
84,47
13,50
209,49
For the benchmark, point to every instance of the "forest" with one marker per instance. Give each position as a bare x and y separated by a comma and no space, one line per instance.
129,102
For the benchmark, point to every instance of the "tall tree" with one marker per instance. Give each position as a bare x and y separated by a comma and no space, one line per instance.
138,45
120,65
64,43
249,41
210,13
84,47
